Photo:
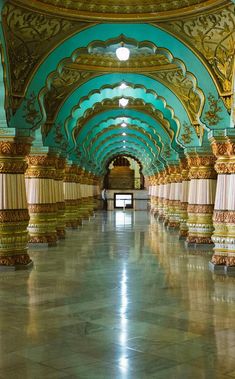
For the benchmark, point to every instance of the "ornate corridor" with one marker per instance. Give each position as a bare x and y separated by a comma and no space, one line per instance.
134,96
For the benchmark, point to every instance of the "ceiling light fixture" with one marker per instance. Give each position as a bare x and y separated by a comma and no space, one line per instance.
123,124
123,85
123,102
122,53
124,134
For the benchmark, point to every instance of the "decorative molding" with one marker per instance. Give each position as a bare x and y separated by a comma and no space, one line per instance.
211,37
29,36
14,215
201,208
14,148
123,10
212,115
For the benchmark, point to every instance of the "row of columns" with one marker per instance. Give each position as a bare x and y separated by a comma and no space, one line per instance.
41,196
197,196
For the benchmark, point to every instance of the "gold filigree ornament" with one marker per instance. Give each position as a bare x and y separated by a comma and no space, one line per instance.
186,137
31,114
212,115
211,36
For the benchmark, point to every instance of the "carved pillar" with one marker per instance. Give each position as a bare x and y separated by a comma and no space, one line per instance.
184,198
174,197
201,198
60,201
40,189
224,213
14,216
71,196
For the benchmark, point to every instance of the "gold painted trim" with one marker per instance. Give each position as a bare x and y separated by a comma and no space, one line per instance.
136,17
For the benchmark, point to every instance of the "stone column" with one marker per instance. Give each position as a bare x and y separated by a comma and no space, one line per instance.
174,197
71,196
41,196
14,216
201,198
184,199
223,146
60,201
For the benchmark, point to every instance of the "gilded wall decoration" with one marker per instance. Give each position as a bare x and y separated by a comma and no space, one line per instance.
30,36
212,115
31,115
212,36
186,136
63,83
184,86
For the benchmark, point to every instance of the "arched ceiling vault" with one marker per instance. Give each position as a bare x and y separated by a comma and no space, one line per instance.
62,76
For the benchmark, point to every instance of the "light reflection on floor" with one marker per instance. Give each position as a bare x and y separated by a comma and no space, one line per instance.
120,298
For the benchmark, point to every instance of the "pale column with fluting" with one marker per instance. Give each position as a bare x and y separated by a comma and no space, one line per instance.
184,198
223,146
174,197
14,216
201,198
41,197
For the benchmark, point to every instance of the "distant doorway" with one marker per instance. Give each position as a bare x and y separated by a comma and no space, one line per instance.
123,200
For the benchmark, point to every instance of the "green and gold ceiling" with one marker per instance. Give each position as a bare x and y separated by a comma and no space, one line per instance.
63,81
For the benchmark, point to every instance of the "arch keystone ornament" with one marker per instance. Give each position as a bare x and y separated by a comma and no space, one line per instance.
14,216
223,146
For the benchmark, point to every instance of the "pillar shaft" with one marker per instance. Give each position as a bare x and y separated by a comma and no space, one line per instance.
60,201
14,216
201,198
174,197
41,196
224,212
184,199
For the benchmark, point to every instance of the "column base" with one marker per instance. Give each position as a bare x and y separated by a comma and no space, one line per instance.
217,268
199,246
44,241
173,225
15,262
183,234
61,234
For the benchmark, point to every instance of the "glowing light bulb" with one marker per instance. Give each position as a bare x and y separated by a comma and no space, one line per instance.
124,134
123,53
123,102
123,124
123,86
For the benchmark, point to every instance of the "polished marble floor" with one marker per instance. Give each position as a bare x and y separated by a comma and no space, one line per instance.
120,298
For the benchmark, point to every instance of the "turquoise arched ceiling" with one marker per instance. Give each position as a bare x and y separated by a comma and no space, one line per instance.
136,31
76,129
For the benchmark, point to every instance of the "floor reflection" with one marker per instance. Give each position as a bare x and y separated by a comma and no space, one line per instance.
120,298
